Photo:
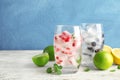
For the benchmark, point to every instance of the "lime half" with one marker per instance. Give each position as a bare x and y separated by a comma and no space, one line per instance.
40,59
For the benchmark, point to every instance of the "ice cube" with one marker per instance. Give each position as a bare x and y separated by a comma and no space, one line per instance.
89,39
92,31
64,58
88,52
85,34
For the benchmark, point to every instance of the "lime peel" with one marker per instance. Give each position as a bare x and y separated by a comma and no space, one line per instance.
50,50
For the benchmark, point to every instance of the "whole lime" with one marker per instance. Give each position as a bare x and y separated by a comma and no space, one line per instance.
103,60
41,59
50,50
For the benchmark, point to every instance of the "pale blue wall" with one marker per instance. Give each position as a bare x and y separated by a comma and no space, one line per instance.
29,24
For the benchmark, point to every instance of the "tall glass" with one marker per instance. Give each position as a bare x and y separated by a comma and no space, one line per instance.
67,47
93,41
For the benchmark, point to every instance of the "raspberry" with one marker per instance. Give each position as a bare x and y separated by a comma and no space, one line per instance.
68,48
65,36
63,52
60,61
74,43
64,33
57,57
55,37
67,39
57,49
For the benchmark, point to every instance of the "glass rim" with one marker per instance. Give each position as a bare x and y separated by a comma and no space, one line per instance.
91,23
67,25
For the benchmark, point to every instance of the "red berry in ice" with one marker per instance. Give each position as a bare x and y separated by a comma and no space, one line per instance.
65,36
55,37
57,57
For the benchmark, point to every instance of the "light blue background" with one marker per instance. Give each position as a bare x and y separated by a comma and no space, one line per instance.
29,24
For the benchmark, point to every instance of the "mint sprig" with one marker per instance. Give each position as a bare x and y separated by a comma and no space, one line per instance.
87,69
56,69
118,67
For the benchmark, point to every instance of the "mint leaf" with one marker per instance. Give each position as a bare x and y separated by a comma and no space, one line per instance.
55,65
49,70
56,68
59,72
86,69
112,70
60,67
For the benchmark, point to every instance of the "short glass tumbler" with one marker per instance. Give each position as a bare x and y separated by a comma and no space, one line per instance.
67,47
93,41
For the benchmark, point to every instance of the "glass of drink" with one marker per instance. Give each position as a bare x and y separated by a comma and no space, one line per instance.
67,47
93,41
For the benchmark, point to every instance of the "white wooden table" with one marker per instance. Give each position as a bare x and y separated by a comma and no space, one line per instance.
18,65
